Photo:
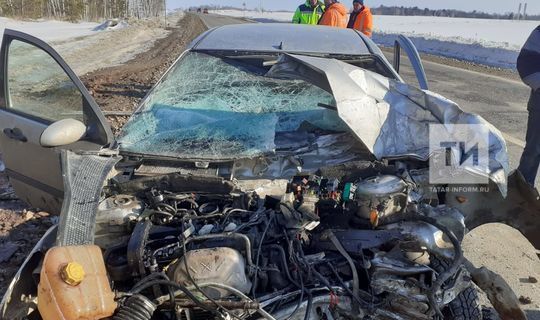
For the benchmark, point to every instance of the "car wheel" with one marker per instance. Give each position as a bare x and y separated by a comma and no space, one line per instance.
466,306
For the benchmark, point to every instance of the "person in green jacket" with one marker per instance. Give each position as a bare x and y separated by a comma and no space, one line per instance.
309,12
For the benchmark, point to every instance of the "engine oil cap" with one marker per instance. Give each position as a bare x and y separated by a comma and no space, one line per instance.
72,273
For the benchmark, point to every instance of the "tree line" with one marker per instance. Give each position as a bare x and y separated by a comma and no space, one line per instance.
411,11
86,10
415,11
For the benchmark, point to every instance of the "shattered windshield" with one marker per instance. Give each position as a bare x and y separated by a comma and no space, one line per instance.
209,107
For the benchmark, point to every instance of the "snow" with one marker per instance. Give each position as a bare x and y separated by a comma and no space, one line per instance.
505,34
88,46
490,42
278,16
49,30
111,25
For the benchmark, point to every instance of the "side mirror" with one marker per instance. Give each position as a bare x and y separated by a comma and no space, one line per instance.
410,49
62,132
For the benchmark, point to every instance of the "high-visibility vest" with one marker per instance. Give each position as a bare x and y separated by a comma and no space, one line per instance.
306,14
363,21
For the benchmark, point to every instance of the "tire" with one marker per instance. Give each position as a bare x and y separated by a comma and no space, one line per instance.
466,306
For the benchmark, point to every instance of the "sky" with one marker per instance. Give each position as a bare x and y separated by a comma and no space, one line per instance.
491,6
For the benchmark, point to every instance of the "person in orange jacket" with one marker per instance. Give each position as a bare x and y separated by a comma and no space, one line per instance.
361,18
335,14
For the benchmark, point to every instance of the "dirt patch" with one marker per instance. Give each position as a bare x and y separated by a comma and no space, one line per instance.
20,230
121,88
505,251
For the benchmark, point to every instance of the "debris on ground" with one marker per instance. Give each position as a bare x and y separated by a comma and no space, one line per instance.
499,293
7,250
525,300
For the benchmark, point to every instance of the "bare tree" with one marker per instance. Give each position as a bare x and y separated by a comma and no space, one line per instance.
82,9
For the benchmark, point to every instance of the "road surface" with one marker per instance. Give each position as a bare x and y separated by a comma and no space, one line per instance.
501,101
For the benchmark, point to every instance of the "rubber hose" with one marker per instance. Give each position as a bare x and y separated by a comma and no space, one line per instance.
356,280
175,286
284,263
136,307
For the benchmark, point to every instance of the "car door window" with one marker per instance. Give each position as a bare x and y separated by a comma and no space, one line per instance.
38,86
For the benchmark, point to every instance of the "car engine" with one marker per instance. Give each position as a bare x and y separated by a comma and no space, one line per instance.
347,246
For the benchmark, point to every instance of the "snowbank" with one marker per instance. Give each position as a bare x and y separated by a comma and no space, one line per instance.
490,42
112,24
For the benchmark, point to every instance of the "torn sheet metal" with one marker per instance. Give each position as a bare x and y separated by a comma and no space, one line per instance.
391,118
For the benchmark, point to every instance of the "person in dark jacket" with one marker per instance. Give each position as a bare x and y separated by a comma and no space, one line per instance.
528,65
361,18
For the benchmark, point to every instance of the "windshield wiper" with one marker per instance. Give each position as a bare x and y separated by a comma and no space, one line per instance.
327,106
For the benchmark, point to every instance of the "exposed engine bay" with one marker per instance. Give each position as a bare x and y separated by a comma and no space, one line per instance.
362,244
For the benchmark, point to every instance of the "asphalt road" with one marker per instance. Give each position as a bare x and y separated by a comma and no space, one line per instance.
501,101
216,20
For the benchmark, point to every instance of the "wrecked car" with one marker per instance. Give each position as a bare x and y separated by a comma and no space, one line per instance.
268,174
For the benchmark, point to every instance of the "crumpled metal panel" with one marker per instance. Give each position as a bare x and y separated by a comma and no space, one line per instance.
391,118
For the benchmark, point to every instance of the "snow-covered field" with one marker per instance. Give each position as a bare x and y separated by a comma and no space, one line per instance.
50,30
256,15
88,46
490,42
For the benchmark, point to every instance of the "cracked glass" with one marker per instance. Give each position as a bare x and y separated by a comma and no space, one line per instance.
38,85
208,107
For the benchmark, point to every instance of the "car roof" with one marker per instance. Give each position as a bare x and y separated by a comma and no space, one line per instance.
284,37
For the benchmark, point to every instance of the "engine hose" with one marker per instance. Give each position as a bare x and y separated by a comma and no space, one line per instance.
155,276
363,303
238,293
307,315
136,307
284,263
356,280
175,286
257,256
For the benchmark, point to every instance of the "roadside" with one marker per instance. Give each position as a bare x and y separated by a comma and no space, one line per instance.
111,47
120,88
509,74
115,88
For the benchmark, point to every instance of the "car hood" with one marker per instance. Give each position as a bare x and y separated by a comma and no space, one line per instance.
392,118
